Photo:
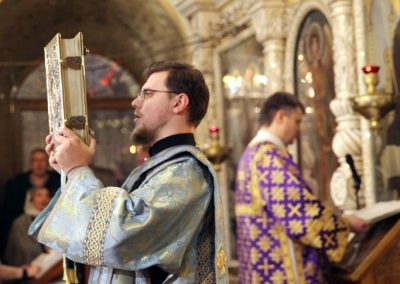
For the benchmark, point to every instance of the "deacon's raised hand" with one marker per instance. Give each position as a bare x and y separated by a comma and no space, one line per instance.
50,151
71,151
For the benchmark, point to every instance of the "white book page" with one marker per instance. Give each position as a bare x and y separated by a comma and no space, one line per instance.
379,211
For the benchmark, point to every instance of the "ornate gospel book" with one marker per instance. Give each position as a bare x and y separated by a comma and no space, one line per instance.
65,80
66,100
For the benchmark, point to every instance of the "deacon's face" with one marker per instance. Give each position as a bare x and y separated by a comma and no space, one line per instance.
153,110
291,124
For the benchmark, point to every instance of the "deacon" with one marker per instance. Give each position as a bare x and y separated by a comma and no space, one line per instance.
165,224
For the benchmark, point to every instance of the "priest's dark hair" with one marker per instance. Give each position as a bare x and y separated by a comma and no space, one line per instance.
276,102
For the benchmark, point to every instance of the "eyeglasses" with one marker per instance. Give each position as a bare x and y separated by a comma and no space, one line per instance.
148,92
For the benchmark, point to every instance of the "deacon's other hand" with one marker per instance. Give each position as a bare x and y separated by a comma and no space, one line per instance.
50,151
71,151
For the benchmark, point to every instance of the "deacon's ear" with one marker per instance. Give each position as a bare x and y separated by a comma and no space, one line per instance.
279,115
181,103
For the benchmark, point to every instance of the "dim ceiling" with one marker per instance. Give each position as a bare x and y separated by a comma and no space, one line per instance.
131,32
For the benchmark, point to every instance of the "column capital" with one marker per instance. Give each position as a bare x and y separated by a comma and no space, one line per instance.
268,18
340,5
202,17
190,7
257,4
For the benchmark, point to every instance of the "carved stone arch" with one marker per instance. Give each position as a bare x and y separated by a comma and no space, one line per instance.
114,30
297,20
180,21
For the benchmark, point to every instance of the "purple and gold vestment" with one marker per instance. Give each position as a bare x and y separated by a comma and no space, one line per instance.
284,233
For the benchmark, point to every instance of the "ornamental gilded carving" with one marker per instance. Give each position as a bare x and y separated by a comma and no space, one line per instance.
345,59
344,49
342,192
231,20
274,64
268,20
202,16
348,137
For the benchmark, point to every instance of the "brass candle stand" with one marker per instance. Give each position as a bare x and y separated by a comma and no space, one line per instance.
216,152
373,105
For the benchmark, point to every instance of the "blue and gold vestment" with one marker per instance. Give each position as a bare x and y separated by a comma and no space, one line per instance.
284,233
168,214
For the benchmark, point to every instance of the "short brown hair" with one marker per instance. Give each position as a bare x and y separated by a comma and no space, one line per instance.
278,101
185,78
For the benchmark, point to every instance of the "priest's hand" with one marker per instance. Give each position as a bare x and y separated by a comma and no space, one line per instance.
357,225
71,151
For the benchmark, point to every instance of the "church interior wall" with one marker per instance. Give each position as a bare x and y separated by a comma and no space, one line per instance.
133,41
296,12
114,30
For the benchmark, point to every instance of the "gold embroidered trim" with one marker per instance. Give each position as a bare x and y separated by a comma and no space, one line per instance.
287,260
98,225
221,262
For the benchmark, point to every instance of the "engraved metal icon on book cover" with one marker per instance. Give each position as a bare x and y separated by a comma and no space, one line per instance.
65,80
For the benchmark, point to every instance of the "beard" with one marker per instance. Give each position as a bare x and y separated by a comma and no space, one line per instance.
141,136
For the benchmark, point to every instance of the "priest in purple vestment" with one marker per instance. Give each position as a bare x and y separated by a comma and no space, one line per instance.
284,233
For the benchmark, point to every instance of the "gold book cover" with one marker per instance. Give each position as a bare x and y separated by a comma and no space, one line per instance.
66,88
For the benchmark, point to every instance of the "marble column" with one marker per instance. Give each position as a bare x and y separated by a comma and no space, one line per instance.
348,137
369,139
268,22
201,15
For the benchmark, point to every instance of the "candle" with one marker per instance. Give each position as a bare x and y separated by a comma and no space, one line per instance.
370,69
213,129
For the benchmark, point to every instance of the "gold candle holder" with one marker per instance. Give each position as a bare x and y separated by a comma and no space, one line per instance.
216,152
373,105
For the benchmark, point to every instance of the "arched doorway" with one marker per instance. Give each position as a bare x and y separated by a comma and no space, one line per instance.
110,89
113,29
